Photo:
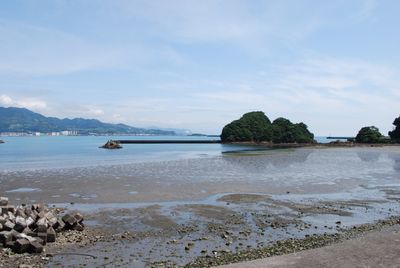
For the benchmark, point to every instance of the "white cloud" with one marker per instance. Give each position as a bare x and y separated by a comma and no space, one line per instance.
5,100
332,95
94,111
29,103
256,25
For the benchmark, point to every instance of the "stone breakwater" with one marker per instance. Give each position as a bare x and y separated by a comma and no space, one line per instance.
27,228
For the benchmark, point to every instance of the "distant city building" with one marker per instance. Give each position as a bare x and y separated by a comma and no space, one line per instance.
69,133
19,134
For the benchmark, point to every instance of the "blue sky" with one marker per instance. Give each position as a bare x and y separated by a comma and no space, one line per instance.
200,64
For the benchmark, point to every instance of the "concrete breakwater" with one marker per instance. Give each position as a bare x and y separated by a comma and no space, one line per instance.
27,229
116,144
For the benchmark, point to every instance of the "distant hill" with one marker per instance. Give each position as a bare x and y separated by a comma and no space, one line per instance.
23,120
178,131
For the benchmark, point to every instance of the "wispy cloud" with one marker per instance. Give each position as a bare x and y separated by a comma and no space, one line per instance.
366,10
29,49
200,64
30,103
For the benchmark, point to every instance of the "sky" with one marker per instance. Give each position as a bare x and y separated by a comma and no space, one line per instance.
334,65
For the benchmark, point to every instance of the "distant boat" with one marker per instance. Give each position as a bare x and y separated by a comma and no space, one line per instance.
1,141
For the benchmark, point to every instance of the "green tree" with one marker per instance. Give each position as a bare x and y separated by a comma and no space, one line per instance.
256,127
253,126
369,135
303,135
285,131
395,134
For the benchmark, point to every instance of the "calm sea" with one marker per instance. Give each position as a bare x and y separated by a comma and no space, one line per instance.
26,153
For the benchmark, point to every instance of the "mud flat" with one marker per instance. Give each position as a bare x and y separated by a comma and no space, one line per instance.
217,210
213,232
221,229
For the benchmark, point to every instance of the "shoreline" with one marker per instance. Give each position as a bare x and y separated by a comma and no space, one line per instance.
238,228
289,246
71,246
313,145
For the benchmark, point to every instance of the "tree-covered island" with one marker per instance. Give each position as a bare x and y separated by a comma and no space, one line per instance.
395,134
371,134
256,127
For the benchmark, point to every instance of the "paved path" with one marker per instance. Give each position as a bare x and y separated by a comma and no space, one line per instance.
377,249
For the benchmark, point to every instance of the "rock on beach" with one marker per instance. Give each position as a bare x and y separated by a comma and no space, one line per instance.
27,229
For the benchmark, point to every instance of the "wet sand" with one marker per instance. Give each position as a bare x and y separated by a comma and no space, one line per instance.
206,211
373,249
212,231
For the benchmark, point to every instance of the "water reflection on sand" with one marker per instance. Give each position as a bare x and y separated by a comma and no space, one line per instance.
303,170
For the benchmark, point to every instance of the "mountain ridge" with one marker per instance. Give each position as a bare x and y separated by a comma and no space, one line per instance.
13,119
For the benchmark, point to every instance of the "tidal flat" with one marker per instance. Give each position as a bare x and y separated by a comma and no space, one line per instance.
207,210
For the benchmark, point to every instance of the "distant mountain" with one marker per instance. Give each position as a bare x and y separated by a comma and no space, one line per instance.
23,120
178,131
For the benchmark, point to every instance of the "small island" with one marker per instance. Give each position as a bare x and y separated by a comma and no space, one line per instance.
371,134
256,127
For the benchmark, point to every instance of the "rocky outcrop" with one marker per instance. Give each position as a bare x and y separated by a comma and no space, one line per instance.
111,144
28,228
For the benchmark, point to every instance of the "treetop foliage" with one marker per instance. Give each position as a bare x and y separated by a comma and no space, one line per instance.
256,127
369,134
395,134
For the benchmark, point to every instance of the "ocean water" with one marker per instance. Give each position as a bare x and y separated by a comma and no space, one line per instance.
62,169
49,152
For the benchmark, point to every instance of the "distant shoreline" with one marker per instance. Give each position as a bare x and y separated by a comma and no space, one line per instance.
300,145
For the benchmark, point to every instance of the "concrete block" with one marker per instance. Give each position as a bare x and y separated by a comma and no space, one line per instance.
2,220
43,236
78,227
40,241
69,221
51,235
3,210
11,216
3,201
38,207
20,224
11,209
20,212
30,221
5,236
60,225
52,222
35,247
14,234
42,225
78,217
48,215
21,246
29,232
10,244
28,211
41,214
8,225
